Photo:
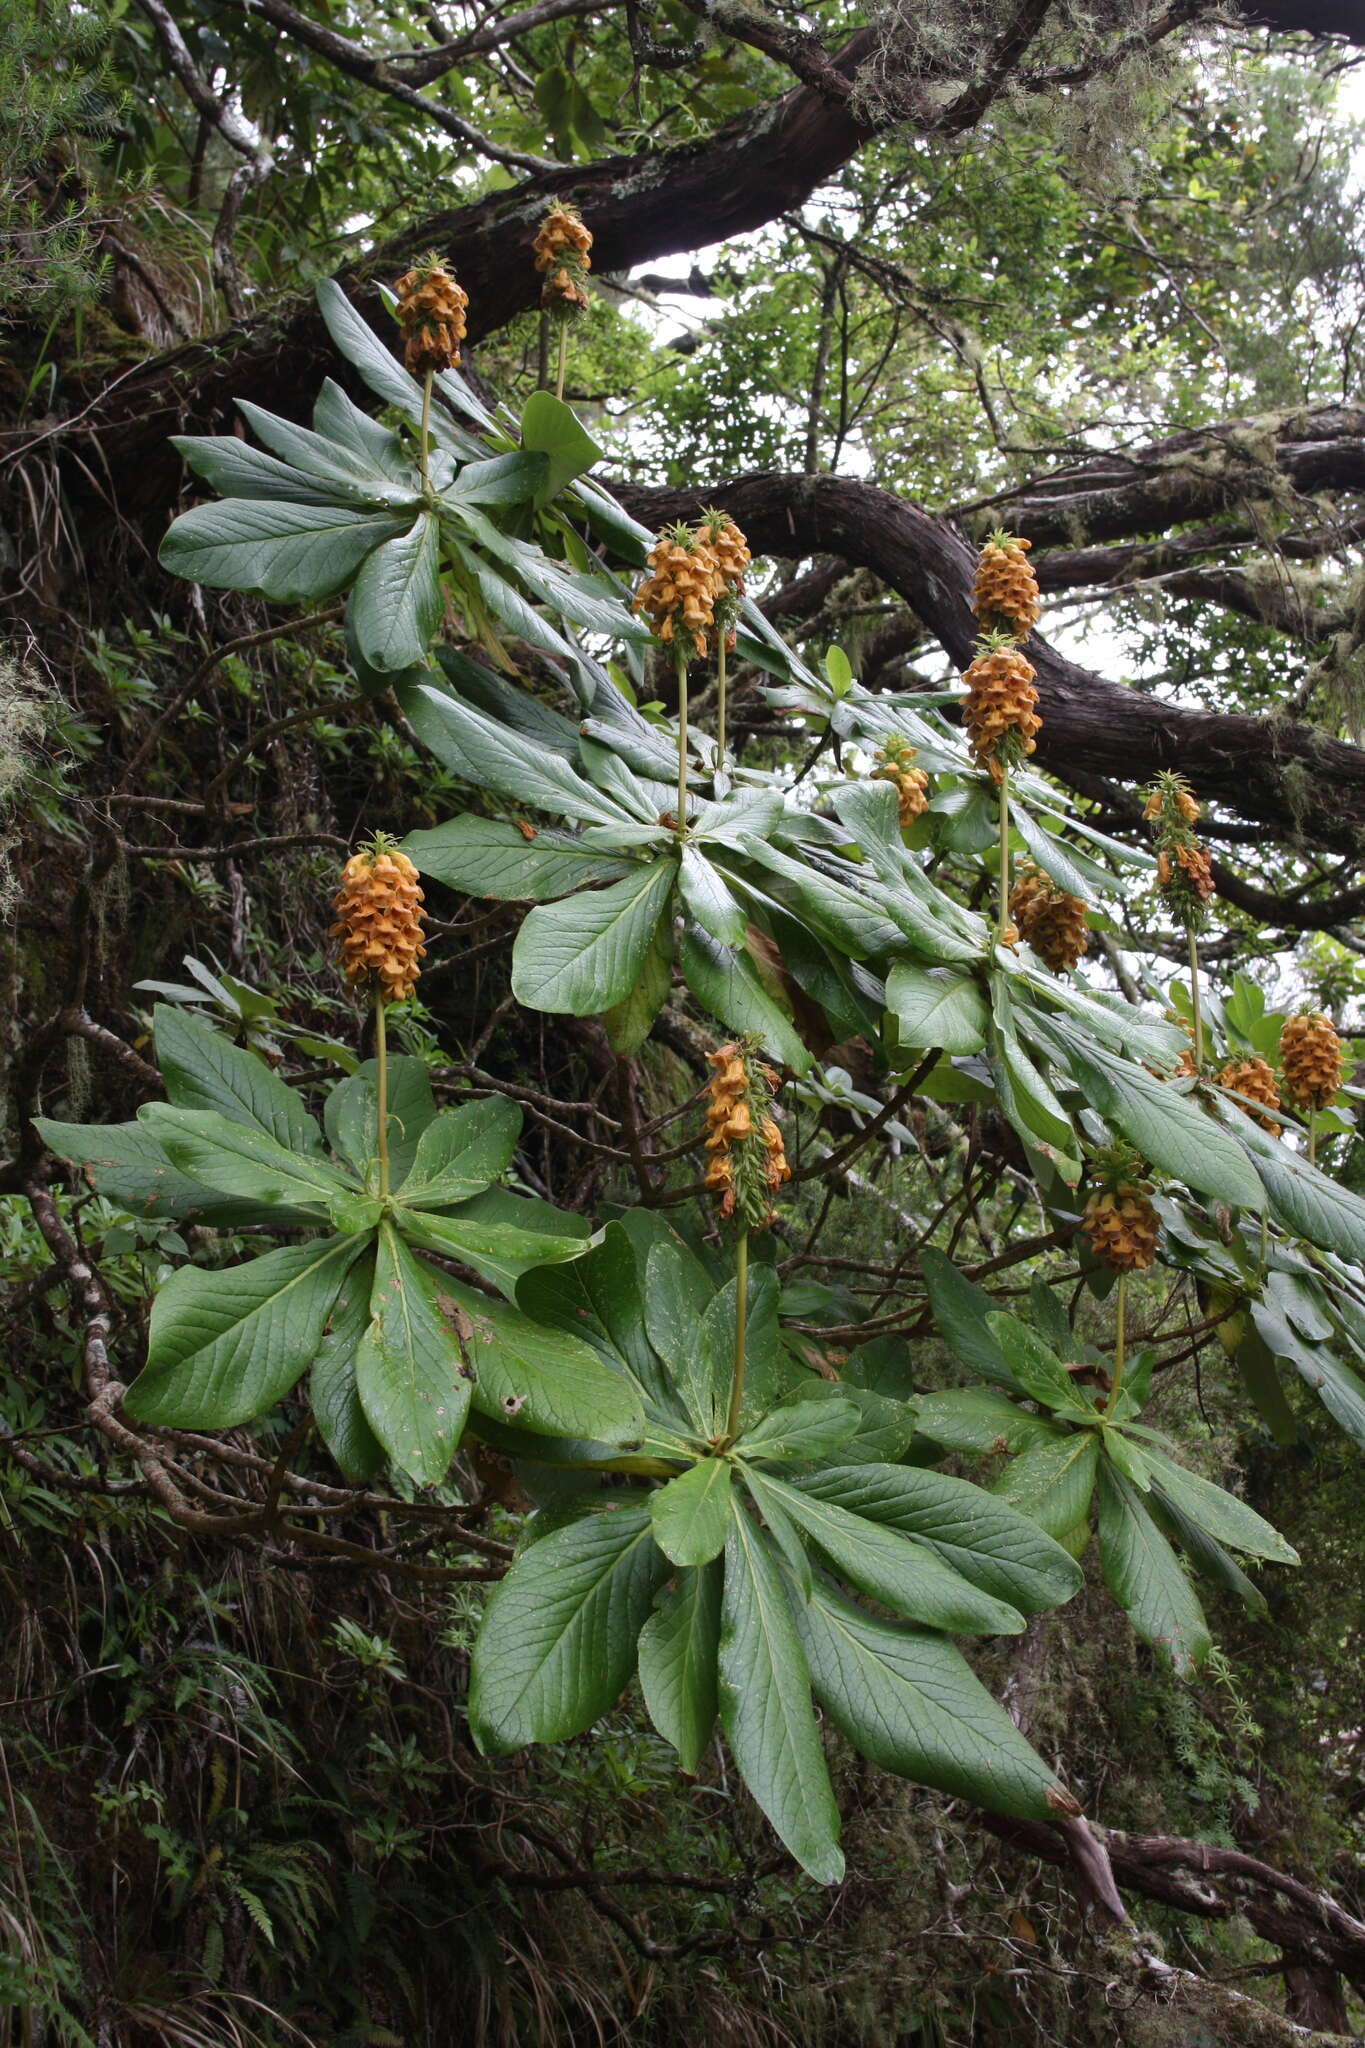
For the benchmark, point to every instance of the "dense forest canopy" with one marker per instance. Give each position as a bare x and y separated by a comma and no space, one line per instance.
681,801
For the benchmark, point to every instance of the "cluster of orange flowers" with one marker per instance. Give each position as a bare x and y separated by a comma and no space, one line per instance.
561,251
896,765
695,582
1184,877
1051,921
431,312
1120,1226
1005,591
1254,1080
1000,711
379,921
1310,1059
746,1161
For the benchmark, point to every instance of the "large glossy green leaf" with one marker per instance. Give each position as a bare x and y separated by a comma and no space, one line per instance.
1206,1555
960,1309
691,1513
803,1429
412,1370
936,1007
677,1297
1341,1391
1072,871
494,756
552,429
351,472
461,1151
765,1706
1145,1577
500,480
351,1117
708,900
584,954
1227,1519
361,346
1038,1370
395,606
546,1382
1052,1483
679,1645
1301,1197
484,857
629,1022
979,1419
853,923
332,1391
1170,1129
226,1345
557,1642
343,422
499,1249
908,1699
202,1069
126,1163
974,1532
726,982
599,1299
1026,1096
905,1575
286,552
241,1160
236,470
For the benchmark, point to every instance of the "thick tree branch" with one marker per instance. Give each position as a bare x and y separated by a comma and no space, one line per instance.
1197,474
1214,1884
657,203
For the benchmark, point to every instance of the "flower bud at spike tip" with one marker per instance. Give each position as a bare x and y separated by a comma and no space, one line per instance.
431,311
1184,876
1310,1060
379,921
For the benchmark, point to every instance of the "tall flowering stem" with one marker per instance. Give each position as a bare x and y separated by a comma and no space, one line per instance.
678,597
724,542
1184,878
1000,713
381,1092
1003,915
561,252
682,741
746,1164
741,1335
1120,1336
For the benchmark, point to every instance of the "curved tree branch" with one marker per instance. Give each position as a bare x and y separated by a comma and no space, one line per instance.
1288,778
